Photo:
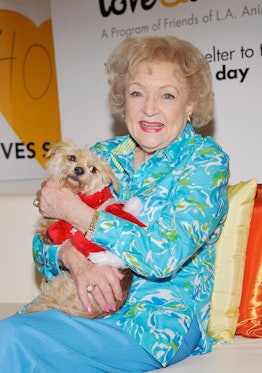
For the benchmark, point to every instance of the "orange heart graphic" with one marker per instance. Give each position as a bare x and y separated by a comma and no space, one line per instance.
28,94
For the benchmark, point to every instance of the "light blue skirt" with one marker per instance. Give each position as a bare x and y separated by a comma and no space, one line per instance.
52,342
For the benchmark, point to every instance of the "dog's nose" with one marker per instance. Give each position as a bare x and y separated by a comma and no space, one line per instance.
79,171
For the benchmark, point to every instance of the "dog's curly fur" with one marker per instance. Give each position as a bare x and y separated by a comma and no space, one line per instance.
83,172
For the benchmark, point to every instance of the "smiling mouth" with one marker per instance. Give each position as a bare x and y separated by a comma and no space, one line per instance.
151,125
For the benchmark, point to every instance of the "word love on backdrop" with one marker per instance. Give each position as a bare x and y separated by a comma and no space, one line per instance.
29,110
120,7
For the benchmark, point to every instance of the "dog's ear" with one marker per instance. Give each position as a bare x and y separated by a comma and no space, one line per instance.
55,146
111,176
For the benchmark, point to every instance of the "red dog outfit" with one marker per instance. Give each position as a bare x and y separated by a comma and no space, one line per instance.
60,231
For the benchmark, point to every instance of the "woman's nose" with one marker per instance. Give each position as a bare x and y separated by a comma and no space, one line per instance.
150,106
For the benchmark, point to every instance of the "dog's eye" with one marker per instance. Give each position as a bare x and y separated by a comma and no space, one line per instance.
92,169
71,158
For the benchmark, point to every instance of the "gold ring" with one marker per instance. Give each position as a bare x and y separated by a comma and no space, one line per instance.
90,288
36,202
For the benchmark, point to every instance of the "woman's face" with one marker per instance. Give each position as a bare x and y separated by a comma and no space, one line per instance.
157,106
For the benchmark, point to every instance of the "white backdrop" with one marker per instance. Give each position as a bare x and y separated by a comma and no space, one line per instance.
228,32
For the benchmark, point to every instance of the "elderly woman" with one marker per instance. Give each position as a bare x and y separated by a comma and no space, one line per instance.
160,90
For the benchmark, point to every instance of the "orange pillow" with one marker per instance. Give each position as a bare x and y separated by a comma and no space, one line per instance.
250,311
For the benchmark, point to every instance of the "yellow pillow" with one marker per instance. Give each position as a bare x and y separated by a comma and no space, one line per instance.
230,261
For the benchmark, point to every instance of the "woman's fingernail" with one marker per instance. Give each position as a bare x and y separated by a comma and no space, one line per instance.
119,297
113,307
88,310
106,309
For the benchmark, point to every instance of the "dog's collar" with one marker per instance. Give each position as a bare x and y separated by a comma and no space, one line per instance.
97,199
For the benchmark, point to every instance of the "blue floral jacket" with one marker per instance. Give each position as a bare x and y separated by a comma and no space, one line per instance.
184,193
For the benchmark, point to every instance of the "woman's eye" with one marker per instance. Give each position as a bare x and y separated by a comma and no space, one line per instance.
71,158
168,96
135,94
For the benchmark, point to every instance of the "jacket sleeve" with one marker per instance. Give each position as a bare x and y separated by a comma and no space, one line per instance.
46,258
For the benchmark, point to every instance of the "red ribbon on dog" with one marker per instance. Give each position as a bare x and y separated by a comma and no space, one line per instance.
60,231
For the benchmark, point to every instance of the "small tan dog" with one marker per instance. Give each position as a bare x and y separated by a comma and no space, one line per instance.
85,174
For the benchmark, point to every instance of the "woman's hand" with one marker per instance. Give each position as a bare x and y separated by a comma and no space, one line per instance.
84,272
54,201
63,204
